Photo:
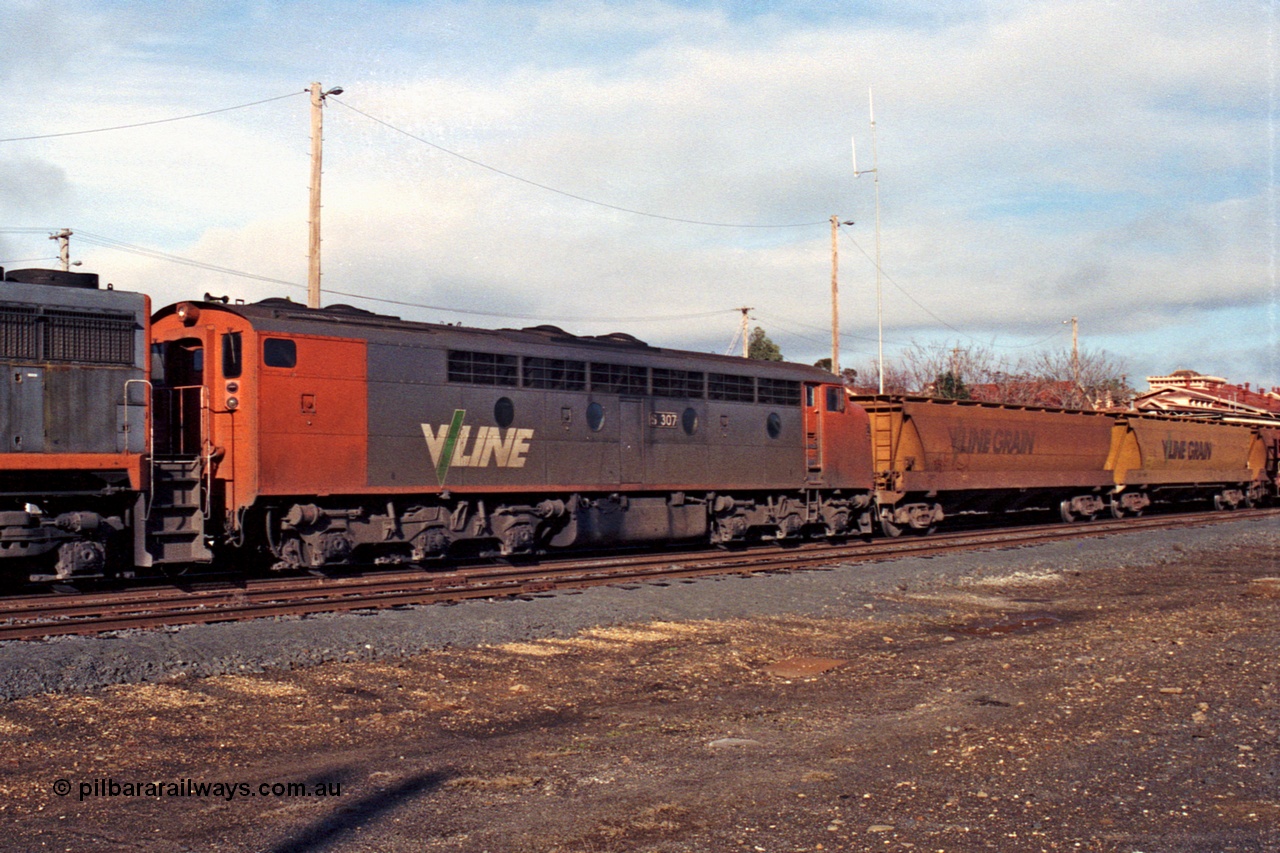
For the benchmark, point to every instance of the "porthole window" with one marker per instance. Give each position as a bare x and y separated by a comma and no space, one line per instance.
595,416
773,424
689,420
504,412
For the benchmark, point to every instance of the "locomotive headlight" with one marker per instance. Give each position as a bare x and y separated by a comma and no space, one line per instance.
188,313
232,404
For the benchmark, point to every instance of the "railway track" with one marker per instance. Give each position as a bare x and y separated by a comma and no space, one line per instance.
48,615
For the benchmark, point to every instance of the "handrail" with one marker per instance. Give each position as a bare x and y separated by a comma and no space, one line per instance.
147,437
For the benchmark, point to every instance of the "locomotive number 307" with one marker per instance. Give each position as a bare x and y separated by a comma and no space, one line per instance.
663,420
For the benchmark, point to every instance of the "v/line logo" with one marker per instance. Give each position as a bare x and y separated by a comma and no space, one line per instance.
451,445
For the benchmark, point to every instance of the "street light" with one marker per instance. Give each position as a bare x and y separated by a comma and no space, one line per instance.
313,249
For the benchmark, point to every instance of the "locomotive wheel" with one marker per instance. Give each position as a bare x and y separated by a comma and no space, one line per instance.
1117,511
1065,509
889,529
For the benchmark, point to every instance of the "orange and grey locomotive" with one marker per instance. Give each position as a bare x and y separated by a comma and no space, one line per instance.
336,435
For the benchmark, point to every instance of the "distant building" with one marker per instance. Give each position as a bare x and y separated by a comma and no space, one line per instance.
1188,392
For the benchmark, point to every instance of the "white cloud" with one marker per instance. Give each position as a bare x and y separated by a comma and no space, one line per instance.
1038,160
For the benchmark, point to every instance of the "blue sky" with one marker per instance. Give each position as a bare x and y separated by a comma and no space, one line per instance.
1038,161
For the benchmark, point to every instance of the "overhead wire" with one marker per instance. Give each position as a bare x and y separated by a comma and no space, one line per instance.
119,245
565,193
923,308
156,121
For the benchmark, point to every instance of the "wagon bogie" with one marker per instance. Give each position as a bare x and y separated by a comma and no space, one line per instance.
1085,507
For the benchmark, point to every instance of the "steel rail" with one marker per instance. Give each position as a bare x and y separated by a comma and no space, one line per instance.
37,616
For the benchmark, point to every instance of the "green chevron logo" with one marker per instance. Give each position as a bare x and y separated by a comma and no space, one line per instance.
451,445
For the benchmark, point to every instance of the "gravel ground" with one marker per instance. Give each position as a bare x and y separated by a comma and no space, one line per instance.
76,664
1115,694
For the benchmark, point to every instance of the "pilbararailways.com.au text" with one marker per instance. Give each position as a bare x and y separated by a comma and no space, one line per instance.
110,787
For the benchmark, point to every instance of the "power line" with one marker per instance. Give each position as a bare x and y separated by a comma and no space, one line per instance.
119,245
901,289
843,335
921,306
148,123
566,194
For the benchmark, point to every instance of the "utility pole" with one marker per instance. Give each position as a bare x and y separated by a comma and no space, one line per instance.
746,336
835,292
1075,351
64,247
313,244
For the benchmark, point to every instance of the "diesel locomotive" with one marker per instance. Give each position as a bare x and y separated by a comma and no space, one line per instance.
73,424
335,435
312,438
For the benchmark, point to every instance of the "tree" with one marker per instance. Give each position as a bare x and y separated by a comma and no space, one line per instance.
1092,381
967,372
761,348
848,375
950,386
948,371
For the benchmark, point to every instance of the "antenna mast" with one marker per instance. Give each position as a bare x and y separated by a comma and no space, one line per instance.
835,297
875,163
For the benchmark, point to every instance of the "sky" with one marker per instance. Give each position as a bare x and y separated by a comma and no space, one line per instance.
654,167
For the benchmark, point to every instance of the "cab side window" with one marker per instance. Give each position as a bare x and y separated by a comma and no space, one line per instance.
835,399
279,352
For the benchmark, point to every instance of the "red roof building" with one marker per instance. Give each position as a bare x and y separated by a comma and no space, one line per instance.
1189,392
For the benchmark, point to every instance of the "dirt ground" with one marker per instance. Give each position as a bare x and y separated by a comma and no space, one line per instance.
1117,709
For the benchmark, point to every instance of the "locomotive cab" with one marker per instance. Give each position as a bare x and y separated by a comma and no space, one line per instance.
196,368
